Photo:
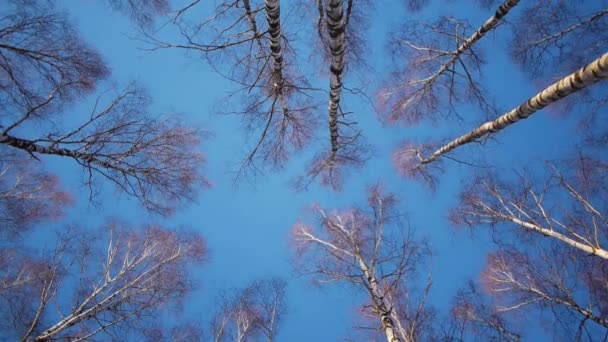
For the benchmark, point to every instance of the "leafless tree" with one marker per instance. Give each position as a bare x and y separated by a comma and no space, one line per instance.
337,30
474,317
247,43
570,211
45,66
559,35
152,159
552,279
551,232
277,103
376,254
440,68
252,312
81,289
585,77
27,196
43,62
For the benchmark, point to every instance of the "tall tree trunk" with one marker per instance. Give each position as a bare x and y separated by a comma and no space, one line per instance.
379,302
273,16
335,27
588,75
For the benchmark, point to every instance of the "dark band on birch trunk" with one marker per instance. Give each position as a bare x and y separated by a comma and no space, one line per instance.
335,27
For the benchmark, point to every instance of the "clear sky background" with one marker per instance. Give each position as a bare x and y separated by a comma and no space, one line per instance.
246,226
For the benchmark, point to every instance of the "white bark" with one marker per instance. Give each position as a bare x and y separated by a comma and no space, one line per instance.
587,248
585,77
104,296
380,304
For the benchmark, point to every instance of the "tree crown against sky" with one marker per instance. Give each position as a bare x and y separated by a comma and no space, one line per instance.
322,94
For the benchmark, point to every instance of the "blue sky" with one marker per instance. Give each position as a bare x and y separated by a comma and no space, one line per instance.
246,226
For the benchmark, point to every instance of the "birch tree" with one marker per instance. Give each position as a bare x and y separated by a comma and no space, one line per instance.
372,251
247,43
440,68
154,160
346,148
566,288
254,312
86,290
560,208
44,62
411,160
47,67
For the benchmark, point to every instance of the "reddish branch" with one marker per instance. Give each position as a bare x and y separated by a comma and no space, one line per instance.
253,312
418,98
27,196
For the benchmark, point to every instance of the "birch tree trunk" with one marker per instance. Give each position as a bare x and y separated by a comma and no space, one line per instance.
587,76
380,304
33,148
273,16
335,27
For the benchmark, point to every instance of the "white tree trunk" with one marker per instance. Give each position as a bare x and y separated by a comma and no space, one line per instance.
588,75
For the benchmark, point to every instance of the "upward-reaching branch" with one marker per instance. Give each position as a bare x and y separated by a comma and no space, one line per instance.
416,98
577,221
554,279
99,289
555,34
251,313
